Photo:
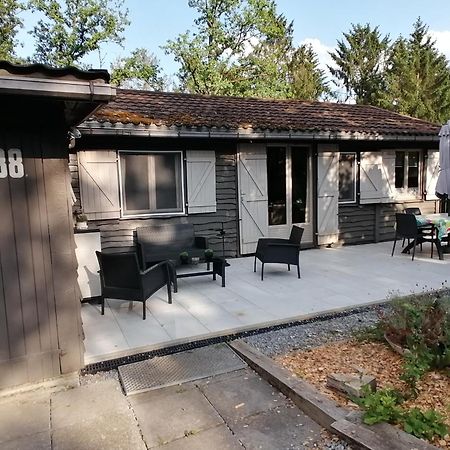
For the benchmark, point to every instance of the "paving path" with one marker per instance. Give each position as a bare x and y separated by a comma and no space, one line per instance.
229,411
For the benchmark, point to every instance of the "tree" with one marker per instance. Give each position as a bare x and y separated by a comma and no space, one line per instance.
9,26
239,47
140,70
418,77
72,29
307,80
360,61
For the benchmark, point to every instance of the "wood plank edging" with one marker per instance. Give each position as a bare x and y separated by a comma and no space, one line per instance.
325,411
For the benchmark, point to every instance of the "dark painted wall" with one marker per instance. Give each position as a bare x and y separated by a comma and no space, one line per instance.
40,322
119,234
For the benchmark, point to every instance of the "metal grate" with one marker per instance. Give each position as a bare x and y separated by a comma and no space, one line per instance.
179,368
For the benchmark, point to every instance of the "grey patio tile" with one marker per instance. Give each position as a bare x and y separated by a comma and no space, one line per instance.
86,403
280,428
165,418
24,415
219,438
38,441
242,396
111,431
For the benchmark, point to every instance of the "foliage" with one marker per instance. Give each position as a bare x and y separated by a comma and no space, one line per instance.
72,29
373,333
238,47
81,217
184,257
360,60
418,77
380,406
416,364
307,80
383,405
140,70
421,324
424,424
9,27
209,253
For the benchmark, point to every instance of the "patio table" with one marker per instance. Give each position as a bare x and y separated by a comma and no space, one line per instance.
441,223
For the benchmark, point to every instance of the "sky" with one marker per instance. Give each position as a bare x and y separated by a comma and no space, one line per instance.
319,22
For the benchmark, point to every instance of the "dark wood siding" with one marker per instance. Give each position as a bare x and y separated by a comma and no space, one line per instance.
40,322
119,234
359,224
356,224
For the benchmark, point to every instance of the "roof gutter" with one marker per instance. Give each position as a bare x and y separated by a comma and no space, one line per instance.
64,89
95,128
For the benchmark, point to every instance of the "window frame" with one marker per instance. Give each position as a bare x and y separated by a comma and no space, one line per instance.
355,179
182,182
405,192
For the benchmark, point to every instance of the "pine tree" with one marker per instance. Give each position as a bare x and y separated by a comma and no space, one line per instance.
418,77
360,61
307,80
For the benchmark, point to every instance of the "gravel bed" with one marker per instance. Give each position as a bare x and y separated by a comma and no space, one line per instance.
99,377
315,333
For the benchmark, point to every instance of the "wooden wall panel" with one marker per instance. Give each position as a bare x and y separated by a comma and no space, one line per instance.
119,235
39,311
360,224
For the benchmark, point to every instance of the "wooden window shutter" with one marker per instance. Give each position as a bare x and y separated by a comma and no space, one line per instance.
388,176
371,178
99,184
432,174
201,181
328,194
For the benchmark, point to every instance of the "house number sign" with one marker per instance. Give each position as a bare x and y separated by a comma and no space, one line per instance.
11,163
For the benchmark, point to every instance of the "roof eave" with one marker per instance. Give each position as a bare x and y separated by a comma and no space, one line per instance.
57,88
123,129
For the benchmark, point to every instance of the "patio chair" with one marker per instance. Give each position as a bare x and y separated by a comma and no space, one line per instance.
121,278
424,229
407,228
281,251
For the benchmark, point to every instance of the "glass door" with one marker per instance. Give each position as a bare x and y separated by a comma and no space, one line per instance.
289,190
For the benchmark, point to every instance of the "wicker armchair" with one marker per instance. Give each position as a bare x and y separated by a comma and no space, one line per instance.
122,279
282,251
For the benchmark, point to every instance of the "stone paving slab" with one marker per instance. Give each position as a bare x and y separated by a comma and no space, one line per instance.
242,395
24,415
281,428
38,441
108,431
165,418
217,438
87,403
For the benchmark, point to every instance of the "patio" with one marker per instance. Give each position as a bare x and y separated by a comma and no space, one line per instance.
332,279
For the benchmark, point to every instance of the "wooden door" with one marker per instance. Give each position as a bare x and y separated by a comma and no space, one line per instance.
253,201
328,195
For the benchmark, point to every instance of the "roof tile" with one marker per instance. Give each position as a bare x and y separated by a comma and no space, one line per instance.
191,110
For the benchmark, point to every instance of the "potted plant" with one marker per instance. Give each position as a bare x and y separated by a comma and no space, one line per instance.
209,253
184,257
81,221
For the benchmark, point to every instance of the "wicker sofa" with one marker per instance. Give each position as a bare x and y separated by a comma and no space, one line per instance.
166,241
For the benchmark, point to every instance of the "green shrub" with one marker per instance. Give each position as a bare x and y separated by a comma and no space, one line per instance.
421,323
384,406
380,406
424,424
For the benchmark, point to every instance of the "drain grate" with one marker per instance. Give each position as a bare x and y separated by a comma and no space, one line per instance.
179,368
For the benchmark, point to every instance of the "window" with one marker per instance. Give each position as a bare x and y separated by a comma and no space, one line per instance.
407,170
347,177
151,183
